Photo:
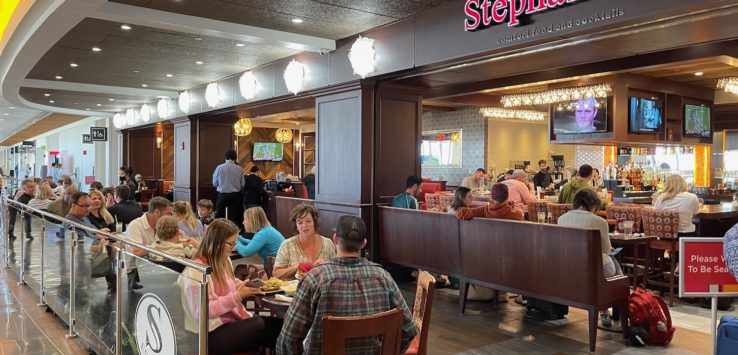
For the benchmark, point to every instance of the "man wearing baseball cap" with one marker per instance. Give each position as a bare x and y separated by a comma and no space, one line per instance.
347,285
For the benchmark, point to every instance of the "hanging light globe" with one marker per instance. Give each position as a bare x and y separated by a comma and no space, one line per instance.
284,135
242,127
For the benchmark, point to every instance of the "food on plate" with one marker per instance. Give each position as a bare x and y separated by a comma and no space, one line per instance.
273,284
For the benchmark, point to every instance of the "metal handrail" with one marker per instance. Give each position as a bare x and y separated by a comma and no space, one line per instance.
22,207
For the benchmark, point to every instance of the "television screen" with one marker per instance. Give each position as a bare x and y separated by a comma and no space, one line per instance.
581,116
268,151
645,115
697,121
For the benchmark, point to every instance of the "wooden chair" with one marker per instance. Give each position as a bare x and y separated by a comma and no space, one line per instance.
432,201
630,213
387,325
665,226
534,208
556,210
422,313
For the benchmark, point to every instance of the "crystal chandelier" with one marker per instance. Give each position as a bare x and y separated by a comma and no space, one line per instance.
729,84
362,56
284,135
242,127
556,95
497,112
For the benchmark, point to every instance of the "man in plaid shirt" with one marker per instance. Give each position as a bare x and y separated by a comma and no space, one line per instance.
347,285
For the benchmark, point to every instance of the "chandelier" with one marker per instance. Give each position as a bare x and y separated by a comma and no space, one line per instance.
242,127
556,95
284,135
729,84
294,76
362,56
497,112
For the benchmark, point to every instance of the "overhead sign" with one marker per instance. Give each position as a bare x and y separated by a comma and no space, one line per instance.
99,134
28,144
86,139
484,13
702,269
154,327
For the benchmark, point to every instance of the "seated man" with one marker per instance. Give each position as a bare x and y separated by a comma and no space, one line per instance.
347,285
409,198
499,207
475,181
125,210
520,193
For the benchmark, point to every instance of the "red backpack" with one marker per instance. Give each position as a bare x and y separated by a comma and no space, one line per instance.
650,312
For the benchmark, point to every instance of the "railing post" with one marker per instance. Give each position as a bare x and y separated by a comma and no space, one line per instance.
22,275
5,235
72,285
119,269
42,293
203,331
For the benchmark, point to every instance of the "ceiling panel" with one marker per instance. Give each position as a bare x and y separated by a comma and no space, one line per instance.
50,122
334,19
15,118
84,100
145,55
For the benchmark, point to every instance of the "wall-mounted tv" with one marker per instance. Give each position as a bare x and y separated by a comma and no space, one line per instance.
268,151
580,116
697,121
645,115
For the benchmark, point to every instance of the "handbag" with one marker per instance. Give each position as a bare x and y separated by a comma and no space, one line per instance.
100,262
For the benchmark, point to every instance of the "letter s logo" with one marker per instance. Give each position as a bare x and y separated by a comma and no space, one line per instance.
153,323
472,11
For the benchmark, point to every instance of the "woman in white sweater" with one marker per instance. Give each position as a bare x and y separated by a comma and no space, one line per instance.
676,197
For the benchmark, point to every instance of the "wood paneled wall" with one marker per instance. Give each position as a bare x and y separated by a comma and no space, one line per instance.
268,169
167,152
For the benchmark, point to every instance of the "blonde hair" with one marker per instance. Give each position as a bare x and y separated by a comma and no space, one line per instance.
44,192
256,219
212,249
167,228
673,186
103,211
184,209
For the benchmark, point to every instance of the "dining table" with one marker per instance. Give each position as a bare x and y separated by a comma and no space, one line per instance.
634,244
269,301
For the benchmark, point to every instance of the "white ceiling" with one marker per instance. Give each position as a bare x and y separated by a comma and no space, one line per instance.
16,118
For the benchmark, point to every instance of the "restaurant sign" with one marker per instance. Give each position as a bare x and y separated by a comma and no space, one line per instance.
484,13
702,269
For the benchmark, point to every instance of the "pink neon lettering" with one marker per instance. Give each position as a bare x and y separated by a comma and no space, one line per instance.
472,23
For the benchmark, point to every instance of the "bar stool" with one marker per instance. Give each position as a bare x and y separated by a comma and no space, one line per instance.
665,226
629,213
536,207
556,210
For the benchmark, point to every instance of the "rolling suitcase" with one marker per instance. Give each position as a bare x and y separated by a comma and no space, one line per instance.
548,310
727,335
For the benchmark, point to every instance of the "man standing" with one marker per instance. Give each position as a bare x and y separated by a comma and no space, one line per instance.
125,210
543,178
143,231
409,198
475,181
28,192
228,181
347,285
253,190
579,183
520,192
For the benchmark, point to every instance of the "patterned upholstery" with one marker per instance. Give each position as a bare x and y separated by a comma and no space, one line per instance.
432,201
662,224
534,208
630,213
557,210
447,200
730,250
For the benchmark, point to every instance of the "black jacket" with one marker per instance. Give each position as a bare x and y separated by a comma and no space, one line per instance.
253,191
542,179
126,211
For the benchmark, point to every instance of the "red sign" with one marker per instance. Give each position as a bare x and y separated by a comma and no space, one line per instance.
484,13
702,269
89,180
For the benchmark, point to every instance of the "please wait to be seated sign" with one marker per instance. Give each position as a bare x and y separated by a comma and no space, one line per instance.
702,269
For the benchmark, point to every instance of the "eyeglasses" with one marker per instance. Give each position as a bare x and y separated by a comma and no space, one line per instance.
232,245
83,206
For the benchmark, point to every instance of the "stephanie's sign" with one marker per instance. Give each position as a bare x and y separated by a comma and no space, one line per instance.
484,13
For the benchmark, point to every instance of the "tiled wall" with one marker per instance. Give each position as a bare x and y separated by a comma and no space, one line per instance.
593,155
473,136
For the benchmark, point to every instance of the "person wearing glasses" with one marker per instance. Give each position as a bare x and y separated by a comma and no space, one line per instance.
79,212
142,231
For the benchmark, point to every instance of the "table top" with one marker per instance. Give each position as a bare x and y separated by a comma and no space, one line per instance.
624,239
720,211
269,301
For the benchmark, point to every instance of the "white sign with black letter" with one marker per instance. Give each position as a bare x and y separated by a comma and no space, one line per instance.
154,327
86,139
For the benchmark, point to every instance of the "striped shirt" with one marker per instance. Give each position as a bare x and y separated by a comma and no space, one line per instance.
347,286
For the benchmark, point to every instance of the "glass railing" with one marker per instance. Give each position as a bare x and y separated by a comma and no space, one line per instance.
85,282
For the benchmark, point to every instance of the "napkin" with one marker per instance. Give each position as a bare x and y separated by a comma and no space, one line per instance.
283,298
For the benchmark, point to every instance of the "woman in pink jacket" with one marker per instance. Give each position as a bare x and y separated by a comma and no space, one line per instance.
231,329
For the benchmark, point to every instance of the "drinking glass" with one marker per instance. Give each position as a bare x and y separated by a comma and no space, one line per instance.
119,227
628,228
541,217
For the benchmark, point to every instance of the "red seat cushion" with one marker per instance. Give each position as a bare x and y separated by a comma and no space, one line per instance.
413,348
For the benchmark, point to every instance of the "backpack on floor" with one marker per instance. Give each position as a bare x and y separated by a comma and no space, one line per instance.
650,312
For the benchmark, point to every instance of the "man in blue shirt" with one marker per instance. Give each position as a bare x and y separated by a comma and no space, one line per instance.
228,181
409,198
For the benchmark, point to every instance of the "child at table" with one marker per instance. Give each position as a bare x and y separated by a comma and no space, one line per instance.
205,212
167,231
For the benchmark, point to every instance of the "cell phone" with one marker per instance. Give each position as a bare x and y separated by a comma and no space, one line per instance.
616,251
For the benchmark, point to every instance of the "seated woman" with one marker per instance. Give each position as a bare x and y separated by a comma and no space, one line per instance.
99,215
167,233
499,207
306,247
231,328
462,198
43,197
266,240
188,223
583,215
676,197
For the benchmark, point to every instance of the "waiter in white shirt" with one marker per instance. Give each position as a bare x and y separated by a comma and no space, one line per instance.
228,181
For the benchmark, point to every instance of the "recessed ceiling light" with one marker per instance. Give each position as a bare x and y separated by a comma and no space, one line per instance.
699,73
136,71
169,75
47,95
144,85
240,44
87,109
111,100
73,65
58,77
51,101
198,38
76,103
296,20
125,27
199,62
6,114
12,107
96,49
98,105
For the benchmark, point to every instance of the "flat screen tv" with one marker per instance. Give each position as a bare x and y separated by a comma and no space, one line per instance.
268,151
646,115
697,121
580,116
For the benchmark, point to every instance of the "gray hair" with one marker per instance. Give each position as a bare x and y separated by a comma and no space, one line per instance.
518,173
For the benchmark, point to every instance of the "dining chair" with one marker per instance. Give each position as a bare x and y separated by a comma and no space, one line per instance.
447,200
556,210
629,213
422,313
665,226
386,325
536,207
431,201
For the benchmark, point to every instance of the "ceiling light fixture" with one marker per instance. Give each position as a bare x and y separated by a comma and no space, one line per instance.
198,38
125,27
73,65
199,62
362,55
184,101
242,127
294,76
87,109
699,73
729,84
164,107
111,99
168,75
136,71
144,85
145,113
248,85
283,135
12,107
6,114
96,49
240,44
47,95
118,121
131,116
98,105
498,112
297,20
556,95
58,77
51,101
212,95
